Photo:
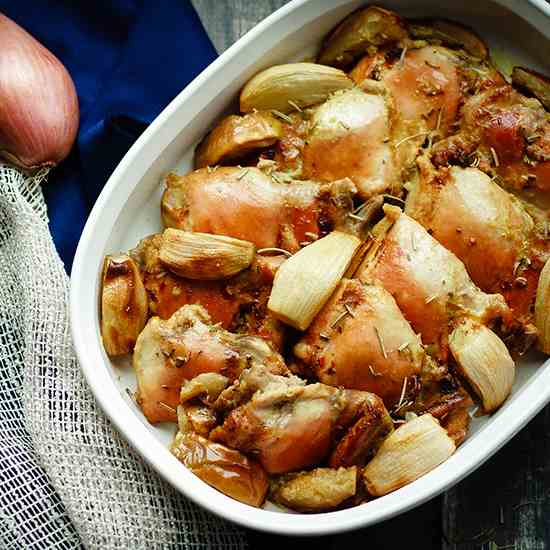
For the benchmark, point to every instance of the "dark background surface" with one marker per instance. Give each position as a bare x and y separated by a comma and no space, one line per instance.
505,504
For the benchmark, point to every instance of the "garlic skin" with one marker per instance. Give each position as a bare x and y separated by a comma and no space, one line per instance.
38,103
483,359
204,256
305,282
303,84
413,450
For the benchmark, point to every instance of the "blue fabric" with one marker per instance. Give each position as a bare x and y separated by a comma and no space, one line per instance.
128,59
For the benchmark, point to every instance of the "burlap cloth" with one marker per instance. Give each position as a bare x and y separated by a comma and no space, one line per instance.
67,479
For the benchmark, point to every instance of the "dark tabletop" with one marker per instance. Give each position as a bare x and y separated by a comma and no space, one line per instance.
505,504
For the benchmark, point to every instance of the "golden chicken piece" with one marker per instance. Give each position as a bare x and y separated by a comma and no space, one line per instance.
169,352
349,137
238,304
360,340
486,227
248,204
427,85
430,284
506,135
289,426
227,470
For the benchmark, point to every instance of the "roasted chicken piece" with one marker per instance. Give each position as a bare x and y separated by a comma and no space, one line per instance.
318,490
238,303
427,85
249,204
436,295
490,230
225,469
169,352
426,67
349,136
430,284
506,135
289,425
361,340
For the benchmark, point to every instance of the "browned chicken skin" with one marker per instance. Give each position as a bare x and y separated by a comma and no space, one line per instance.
249,204
489,229
506,135
349,136
361,340
428,85
429,283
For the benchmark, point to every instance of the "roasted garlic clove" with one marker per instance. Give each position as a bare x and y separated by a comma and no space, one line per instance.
236,136
450,34
534,83
283,87
306,280
203,256
225,469
124,306
542,308
319,490
484,361
411,451
372,26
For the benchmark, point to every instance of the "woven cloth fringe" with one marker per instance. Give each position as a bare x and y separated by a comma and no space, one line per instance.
67,479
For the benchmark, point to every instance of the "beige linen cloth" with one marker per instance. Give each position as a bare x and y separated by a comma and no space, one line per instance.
67,479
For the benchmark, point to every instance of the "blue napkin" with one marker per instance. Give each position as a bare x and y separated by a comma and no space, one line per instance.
128,59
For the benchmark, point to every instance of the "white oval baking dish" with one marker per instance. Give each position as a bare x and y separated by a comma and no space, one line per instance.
128,209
